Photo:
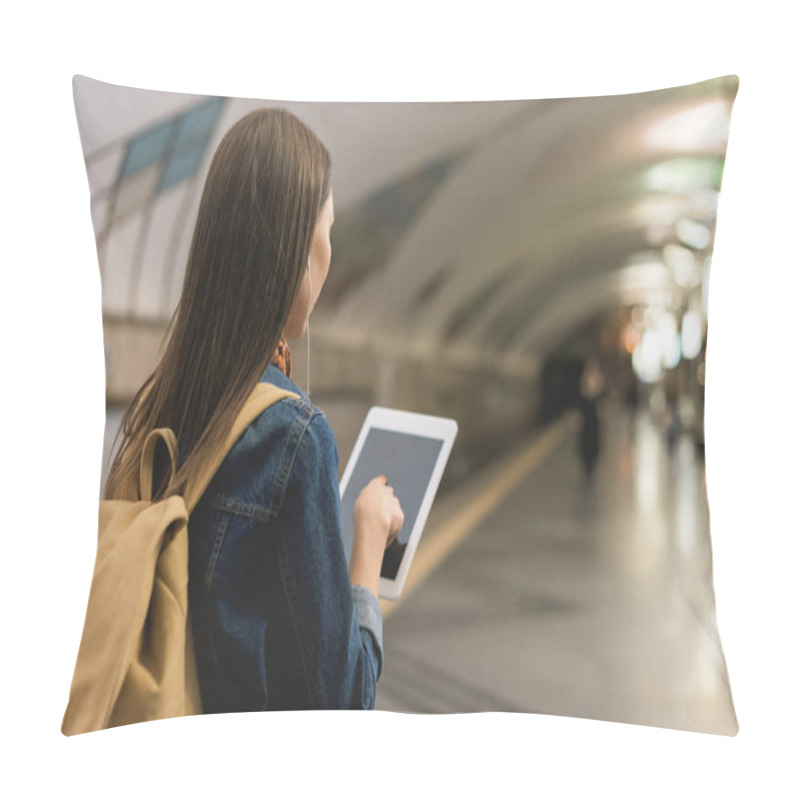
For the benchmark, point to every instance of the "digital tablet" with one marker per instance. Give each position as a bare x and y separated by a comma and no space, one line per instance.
411,450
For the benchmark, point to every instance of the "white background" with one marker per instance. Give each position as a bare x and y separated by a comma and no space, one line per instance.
53,408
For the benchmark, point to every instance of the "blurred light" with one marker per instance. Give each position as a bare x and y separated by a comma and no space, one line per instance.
683,264
691,334
669,340
672,352
701,126
680,175
646,359
632,339
695,234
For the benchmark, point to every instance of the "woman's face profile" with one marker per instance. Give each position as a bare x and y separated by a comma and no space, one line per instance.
320,263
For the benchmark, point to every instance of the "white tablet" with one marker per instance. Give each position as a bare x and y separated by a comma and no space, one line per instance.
411,450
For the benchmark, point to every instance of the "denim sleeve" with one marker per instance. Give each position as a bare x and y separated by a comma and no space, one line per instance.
338,628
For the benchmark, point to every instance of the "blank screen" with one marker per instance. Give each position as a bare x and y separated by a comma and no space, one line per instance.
408,462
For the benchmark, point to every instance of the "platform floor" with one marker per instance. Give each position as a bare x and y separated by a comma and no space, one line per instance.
574,599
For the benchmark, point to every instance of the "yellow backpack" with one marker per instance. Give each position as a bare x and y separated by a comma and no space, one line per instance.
136,658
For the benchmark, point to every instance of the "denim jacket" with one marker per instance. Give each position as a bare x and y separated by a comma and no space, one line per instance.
276,624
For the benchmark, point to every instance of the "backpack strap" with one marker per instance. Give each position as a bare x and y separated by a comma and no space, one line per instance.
261,398
146,463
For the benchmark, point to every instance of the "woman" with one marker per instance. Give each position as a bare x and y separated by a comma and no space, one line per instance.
279,619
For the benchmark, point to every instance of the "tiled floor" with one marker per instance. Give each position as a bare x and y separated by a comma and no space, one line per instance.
571,599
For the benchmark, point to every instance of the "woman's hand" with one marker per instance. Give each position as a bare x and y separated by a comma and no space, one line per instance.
377,519
377,511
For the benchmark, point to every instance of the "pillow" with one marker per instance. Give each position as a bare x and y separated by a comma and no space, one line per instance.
537,270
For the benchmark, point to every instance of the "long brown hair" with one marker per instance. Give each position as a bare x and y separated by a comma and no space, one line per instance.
268,180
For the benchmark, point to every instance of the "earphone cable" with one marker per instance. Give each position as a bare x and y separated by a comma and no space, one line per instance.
308,334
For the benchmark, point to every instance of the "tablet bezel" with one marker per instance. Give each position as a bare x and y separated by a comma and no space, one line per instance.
420,425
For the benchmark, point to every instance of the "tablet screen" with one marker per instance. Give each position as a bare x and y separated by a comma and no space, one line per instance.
408,462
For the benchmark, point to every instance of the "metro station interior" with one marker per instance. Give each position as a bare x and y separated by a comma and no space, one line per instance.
537,270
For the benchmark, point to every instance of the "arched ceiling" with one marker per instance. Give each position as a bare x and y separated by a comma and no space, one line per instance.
460,226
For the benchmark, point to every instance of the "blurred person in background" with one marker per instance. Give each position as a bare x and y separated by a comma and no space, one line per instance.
591,388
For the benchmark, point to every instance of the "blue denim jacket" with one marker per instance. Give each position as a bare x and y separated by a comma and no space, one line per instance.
275,621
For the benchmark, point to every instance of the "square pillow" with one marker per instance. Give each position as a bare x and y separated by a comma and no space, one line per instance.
537,270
